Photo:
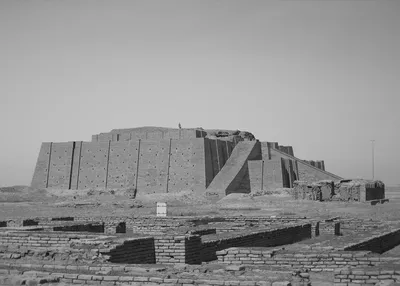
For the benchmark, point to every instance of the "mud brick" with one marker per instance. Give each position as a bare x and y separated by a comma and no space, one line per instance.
70,276
171,280
141,279
108,283
97,277
85,277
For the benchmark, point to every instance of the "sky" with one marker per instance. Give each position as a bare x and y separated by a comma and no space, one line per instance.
321,76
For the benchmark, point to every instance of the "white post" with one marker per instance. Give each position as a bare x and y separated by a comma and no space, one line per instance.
161,209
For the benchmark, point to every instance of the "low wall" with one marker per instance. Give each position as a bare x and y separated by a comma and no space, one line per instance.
377,243
114,227
33,247
368,276
370,194
155,225
62,218
147,225
81,227
15,222
360,190
312,260
359,225
75,247
31,239
332,228
82,275
133,251
164,249
262,238
177,249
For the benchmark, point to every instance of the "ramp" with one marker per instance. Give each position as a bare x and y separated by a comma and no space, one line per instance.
230,178
307,172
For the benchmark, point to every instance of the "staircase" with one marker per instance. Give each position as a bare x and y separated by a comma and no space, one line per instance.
230,177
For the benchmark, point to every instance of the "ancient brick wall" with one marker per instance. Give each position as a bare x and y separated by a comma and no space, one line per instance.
40,175
156,225
133,251
93,165
374,193
17,222
256,169
253,238
312,260
286,149
148,165
37,240
187,165
285,168
362,275
122,275
60,165
265,174
373,190
378,243
211,169
67,247
142,133
329,227
153,166
76,161
122,164
177,249
359,225
99,227
320,164
311,174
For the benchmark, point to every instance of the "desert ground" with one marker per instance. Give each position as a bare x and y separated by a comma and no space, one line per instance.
23,201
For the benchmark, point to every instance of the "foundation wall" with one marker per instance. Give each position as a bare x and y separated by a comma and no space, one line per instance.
70,274
134,251
312,260
377,243
367,276
255,238
177,249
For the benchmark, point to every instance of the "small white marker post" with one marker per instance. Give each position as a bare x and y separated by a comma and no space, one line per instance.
161,209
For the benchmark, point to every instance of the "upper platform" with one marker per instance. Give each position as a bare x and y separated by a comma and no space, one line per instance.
160,133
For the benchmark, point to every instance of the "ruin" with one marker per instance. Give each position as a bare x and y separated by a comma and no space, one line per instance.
372,191
220,249
207,250
162,160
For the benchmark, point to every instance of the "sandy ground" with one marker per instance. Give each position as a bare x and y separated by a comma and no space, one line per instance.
20,201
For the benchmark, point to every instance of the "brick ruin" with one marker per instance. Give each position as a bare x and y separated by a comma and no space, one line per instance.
208,250
161,160
343,190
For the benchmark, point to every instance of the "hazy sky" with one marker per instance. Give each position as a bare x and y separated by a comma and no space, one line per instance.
322,76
